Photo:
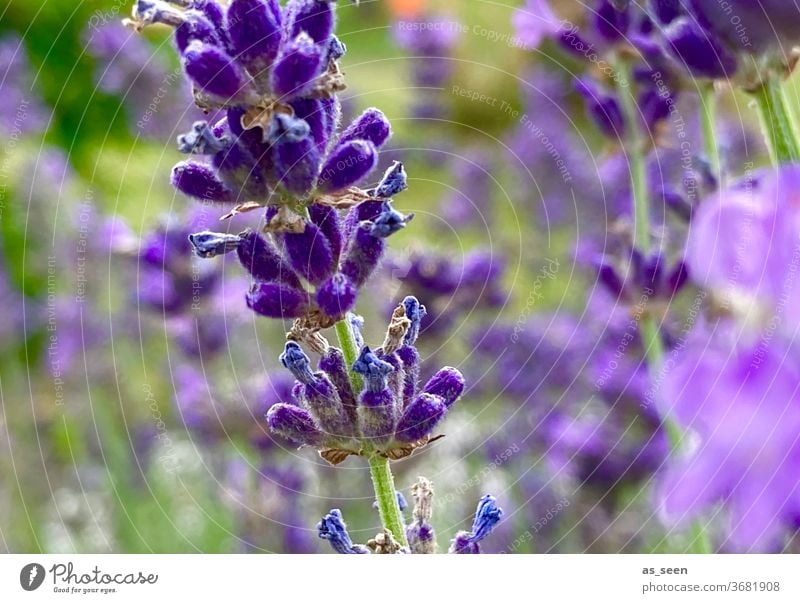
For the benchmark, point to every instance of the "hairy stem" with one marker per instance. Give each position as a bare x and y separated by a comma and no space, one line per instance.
347,341
382,480
708,119
386,495
777,121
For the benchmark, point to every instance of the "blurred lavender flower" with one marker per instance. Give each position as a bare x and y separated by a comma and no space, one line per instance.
451,289
737,39
22,110
158,101
740,399
744,247
431,40
469,204
535,22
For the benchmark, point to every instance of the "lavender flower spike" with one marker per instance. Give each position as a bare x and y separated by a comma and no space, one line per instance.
333,529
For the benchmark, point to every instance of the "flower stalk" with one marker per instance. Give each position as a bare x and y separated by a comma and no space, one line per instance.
385,494
648,327
777,121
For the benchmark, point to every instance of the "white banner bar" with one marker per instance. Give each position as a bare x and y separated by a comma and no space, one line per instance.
345,579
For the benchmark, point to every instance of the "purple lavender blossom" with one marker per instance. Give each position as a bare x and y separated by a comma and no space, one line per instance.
157,100
743,246
740,399
535,22
392,416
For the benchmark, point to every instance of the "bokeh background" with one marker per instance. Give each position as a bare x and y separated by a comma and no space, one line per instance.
132,421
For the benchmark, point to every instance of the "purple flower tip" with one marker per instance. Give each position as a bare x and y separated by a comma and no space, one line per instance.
389,221
415,312
333,529
200,140
373,369
295,359
394,181
209,244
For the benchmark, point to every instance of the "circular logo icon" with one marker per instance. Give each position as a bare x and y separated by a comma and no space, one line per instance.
31,576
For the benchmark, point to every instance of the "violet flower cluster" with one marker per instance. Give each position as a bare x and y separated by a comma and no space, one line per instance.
392,415
273,70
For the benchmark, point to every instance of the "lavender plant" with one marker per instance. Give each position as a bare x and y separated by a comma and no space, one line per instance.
273,74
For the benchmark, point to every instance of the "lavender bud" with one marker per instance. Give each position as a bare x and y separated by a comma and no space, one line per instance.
487,516
309,253
336,49
389,221
377,416
415,312
447,383
332,363
677,279
312,111
420,534
363,254
333,529
611,22
371,125
394,181
314,17
209,244
347,165
337,296
699,51
263,262
420,418
254,33
214,72
666,11
607,275
295,359
374,370
195,27
199,181
212,11
200,140
327,220
294,424
356,323
298,64
326,406
276,300
157,11
603,108
410,358
294,154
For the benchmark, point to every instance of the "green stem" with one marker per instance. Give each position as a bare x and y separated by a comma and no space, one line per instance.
386,495
634,148
382,480
708,118
347,341
777,121
648,326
